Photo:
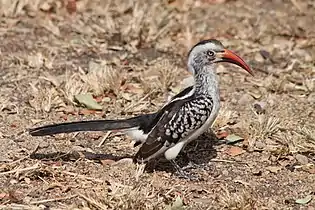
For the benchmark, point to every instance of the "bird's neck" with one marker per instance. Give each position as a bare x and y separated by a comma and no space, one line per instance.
206,82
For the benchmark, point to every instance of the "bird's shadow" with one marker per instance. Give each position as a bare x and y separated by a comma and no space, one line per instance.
199,152
76,155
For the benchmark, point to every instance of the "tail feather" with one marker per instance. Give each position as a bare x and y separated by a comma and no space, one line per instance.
92,125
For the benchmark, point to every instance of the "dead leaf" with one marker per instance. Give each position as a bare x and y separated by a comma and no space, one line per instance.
124,161
232,138
98,98
64,117
88,101
4,195
126,96
304,200
177,4
45,6
50,26
133,88
302,159
71,6
176,89
222,134
311,170
11,196
176,205
53,186
13,125
234,151
107,162
87,112
35,61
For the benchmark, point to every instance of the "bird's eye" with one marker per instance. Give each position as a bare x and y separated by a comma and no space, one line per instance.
210,53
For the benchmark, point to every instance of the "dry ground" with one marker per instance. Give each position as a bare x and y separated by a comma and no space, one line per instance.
131,56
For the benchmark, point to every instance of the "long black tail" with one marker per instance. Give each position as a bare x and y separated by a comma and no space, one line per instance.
141,121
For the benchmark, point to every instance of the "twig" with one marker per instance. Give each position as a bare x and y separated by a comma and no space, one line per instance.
138,102
297,5
241,182
43,179
92,201
20,170
20,206
82,176
104,139
53,199
16,161
226,161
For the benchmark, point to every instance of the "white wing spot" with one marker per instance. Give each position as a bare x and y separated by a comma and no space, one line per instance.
203,118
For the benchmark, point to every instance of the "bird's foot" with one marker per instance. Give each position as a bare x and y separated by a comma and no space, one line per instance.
182,173
192,165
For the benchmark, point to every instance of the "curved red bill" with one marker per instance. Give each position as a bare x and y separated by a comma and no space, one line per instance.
231,57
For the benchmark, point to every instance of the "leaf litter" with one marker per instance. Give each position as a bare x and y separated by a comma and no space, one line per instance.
88,101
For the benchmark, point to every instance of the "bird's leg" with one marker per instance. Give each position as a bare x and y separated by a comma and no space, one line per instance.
181,172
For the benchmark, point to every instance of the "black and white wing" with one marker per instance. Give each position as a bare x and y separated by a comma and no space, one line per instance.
176,122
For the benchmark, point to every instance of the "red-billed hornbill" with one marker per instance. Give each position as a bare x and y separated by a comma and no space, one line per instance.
181,120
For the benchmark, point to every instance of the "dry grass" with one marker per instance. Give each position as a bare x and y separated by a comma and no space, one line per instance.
129,55
263,127
160,77
238,201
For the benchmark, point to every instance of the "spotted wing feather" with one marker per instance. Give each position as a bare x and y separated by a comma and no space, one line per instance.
177,122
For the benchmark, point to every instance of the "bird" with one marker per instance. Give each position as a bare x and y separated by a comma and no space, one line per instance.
181,120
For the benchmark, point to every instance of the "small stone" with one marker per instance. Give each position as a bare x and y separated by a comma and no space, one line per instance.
27,180
260,145
302,159
13,181
274,169
225,172
106,99
42,206
265,54
245,99
259,58
311,98
124,161
260,107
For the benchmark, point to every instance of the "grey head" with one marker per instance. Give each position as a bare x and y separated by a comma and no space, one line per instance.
210,51
203,53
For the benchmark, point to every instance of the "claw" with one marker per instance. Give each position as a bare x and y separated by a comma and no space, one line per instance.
182,174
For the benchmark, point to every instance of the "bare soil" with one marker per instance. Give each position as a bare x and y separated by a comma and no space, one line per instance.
131,56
